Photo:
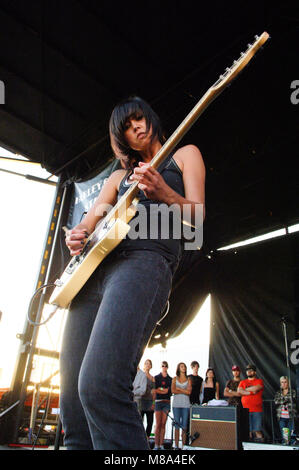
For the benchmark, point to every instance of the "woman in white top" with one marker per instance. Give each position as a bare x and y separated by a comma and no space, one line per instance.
285,401
147,400
181,388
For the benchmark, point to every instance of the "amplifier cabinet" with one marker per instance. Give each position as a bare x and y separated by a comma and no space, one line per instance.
219,427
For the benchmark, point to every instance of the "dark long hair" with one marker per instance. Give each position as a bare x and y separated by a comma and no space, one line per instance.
214,378
131,107
178,372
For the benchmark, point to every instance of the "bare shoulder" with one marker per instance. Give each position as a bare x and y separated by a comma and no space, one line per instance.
116,177
118,174
189,154
189,149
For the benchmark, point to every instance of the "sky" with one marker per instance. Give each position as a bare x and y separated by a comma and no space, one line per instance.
191,345
26,208
25,212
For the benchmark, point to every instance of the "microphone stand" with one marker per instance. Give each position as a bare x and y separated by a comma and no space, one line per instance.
189,439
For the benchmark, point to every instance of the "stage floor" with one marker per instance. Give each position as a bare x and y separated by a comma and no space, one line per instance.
246,446
253,446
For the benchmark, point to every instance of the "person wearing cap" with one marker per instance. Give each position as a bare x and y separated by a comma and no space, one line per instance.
251,390
231,388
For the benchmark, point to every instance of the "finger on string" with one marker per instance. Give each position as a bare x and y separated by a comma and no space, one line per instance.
77,235
148,166
143,163
148,175
74,253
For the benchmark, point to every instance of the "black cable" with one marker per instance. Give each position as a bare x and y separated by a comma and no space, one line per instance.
32,322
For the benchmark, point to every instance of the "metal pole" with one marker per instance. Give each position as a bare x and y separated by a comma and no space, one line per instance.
27,350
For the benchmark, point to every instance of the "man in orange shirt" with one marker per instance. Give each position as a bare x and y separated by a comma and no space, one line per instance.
251,390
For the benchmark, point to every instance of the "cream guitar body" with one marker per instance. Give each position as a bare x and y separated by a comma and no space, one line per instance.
114,227
104,239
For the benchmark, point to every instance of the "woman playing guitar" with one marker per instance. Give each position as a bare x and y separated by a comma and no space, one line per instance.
113,316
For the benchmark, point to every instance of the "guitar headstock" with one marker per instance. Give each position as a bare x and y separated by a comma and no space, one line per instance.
231,72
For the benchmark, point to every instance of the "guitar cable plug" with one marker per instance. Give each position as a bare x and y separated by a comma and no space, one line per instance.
32,322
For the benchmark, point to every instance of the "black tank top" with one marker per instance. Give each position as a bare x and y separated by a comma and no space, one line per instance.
208,394
169,247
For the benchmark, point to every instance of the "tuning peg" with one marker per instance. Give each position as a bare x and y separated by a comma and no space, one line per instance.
256,37
228,69
249,45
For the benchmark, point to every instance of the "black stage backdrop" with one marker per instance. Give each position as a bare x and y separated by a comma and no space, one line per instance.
252,290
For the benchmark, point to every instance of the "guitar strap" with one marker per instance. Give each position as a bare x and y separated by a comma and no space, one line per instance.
166,162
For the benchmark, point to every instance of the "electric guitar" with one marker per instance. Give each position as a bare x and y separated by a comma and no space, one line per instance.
114,227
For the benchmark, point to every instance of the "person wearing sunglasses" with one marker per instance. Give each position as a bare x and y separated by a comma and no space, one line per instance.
162,404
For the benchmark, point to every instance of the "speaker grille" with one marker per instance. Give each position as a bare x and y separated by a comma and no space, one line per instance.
214,434
218,427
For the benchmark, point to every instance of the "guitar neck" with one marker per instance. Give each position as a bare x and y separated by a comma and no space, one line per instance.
199,108
184,127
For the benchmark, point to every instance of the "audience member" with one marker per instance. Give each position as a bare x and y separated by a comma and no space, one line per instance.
196,382
139,387
147,400
162,404
211,386
231,388
251,390
181,388
285,402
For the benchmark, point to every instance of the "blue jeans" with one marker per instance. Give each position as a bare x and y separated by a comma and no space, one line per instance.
255,421
181,416
108,327
286,423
